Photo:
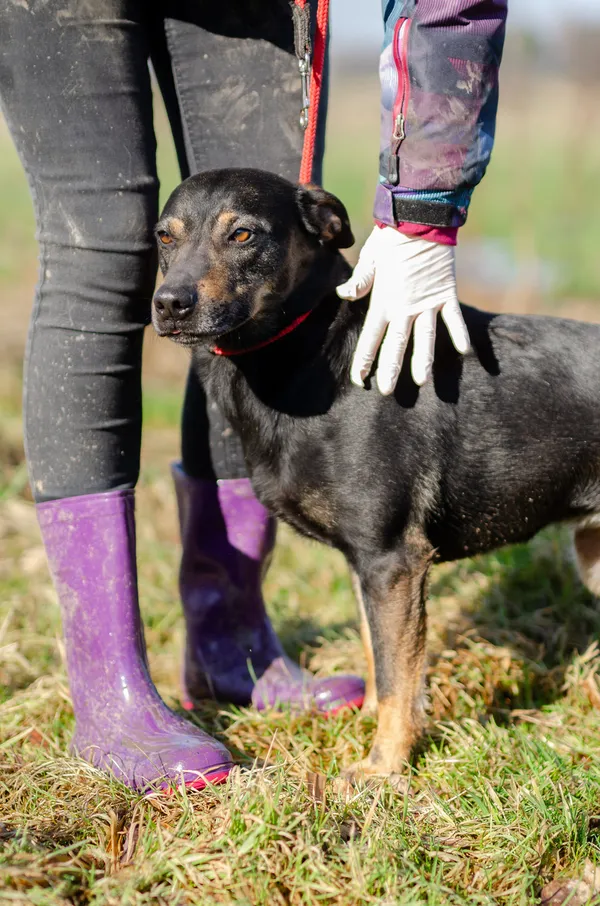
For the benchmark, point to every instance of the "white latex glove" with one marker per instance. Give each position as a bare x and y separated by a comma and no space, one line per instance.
411,279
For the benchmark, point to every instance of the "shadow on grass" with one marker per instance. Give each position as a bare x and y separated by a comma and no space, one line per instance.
521,617
297,634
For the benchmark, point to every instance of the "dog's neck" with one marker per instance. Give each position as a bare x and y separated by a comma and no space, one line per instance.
315,355
327,272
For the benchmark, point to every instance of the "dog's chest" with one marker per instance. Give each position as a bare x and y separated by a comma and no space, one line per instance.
309,508
313,511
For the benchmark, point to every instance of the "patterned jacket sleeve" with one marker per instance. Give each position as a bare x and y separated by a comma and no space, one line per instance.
439,95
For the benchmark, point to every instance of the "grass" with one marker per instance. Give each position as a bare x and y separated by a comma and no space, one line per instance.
503,795
533,197
533,202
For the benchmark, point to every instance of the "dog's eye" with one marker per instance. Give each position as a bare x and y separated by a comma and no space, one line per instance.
241,235
164,237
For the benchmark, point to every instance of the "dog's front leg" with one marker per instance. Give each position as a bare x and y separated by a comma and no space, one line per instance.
394,601
370,702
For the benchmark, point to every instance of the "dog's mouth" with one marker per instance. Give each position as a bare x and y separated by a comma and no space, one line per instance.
182,339
202,322
209,335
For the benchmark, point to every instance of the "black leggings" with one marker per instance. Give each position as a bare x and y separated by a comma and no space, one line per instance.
76,92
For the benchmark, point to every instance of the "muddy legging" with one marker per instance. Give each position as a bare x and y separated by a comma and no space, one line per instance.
76,92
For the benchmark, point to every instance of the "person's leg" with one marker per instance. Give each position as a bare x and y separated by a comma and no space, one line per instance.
238,88
239,91
75,91
229,77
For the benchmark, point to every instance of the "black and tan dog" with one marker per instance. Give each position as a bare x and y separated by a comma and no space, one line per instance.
499,444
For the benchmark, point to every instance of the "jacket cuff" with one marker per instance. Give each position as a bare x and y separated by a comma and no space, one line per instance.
438,210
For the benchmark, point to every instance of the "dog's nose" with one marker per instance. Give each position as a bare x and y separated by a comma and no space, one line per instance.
174,303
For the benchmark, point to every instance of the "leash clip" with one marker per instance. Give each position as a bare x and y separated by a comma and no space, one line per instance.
304,67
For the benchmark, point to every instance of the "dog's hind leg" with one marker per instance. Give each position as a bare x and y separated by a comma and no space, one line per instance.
587,550
394,591
370,703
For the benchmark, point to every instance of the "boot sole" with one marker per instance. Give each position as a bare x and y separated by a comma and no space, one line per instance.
209,779
354,703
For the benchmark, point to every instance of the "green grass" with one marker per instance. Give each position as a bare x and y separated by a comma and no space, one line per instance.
17,248
534,201
533,197
503,794
162,408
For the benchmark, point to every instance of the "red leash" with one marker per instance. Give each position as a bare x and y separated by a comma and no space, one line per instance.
312,81
312,97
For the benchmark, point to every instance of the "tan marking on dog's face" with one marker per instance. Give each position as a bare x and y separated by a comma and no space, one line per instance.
214,284
261,294
176,227
226,218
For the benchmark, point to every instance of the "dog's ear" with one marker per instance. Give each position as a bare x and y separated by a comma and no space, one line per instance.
324,216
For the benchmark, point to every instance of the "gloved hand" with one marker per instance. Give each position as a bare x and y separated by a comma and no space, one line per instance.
412,279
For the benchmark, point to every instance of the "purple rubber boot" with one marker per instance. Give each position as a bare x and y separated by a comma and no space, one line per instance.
232,652
121,723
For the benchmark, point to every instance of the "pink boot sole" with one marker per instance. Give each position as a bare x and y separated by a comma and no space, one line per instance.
354,703
212,779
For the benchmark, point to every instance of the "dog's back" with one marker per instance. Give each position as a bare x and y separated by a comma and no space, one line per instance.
504,441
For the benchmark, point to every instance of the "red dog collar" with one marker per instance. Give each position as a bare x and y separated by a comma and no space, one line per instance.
218,350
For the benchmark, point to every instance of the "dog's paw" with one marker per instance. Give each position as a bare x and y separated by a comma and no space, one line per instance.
368,771
369,707
362,771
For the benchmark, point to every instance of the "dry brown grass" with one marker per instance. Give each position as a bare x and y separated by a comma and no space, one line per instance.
504,794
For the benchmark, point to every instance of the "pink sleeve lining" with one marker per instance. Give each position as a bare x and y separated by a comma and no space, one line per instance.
443,235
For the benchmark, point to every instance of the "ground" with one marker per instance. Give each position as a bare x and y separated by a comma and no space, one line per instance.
502,799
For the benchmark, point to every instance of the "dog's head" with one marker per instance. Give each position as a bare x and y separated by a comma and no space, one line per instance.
233,244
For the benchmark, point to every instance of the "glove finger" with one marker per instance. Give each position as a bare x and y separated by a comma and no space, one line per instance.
423,346
392,354
457,328
368,343
361,281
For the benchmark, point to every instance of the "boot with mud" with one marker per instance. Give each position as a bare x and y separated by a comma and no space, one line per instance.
121,723
232,651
